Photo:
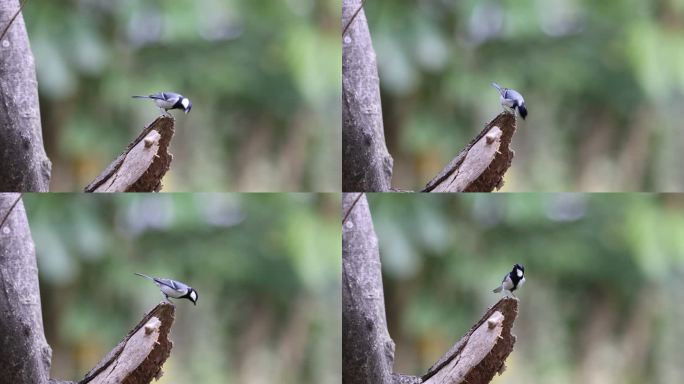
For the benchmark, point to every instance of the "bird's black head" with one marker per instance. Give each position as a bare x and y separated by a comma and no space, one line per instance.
519,267
192,295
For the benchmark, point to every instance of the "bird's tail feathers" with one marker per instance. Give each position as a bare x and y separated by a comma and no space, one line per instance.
144,275
498,88
522,110
497,289
140,97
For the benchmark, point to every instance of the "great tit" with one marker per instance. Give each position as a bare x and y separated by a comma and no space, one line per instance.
173,288
513,280
169,100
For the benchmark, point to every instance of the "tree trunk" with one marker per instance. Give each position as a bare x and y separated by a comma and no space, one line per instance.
25,166
367,349
25,354
366,163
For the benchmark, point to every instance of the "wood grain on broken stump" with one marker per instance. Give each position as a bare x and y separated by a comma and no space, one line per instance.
482,351
142,165
139,357
481,165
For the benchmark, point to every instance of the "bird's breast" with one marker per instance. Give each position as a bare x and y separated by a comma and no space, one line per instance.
163,103
507,102
171,292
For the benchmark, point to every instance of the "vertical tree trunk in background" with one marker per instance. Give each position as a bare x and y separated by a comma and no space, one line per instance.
367,349
24,166
366,164
24,354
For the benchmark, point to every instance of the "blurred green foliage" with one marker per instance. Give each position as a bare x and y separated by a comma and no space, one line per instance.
266,266
264,78
602,300
603,82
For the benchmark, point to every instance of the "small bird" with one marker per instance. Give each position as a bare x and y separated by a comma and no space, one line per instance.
511,99
174,289
169,100
513,280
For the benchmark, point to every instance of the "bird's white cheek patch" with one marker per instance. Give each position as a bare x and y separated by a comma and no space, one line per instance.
520,273
193,296
185,103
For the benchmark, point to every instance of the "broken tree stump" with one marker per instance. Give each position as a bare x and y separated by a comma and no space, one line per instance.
142,165
481,165
139,357
481,352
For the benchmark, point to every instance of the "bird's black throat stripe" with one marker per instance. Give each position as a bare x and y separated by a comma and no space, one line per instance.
179,104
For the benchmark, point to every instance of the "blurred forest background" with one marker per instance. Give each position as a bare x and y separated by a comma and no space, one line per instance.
264,78
603,298
267,269
603,82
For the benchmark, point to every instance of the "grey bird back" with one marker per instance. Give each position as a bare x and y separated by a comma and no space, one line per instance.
176,285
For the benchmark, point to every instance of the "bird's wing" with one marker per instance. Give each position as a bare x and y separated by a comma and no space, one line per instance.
173,284
507,283
172,96
158,96
514,95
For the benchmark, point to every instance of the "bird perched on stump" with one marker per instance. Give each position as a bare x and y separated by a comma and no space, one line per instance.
169,100
513,280
173,288
511,100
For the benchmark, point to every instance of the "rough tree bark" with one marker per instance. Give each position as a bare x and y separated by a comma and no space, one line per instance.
366,163
24,165
481,165
25,356
367,348
142,165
